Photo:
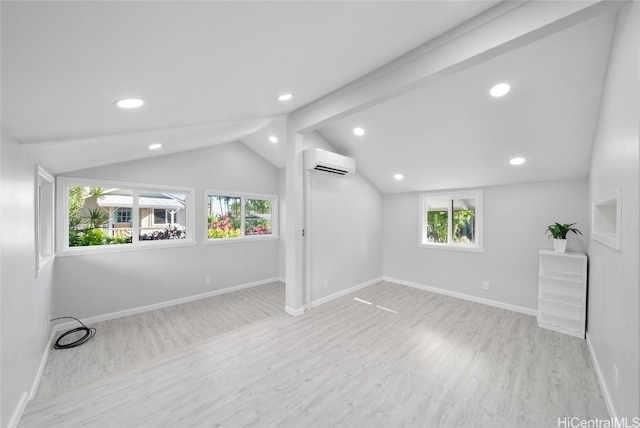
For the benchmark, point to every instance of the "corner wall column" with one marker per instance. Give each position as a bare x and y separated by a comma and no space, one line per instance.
294,267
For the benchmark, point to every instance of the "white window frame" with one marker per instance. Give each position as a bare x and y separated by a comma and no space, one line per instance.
63,249
477,247
274,235
166,215
45,193
117,211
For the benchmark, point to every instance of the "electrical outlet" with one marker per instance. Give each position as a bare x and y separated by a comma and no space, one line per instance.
207,280
485,285
615,376
326,282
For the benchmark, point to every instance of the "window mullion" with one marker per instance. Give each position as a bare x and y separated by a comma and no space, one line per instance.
243,214
135,218
450,225
65,218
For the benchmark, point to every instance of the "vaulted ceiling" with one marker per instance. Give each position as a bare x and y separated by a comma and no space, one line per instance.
452,133
211,72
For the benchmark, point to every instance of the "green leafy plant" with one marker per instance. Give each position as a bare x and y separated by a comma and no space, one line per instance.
94,237
88,226
437,226
97,217
223,228
122,239
559,231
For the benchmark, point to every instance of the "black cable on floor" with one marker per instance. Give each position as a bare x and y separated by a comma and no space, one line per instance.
88,334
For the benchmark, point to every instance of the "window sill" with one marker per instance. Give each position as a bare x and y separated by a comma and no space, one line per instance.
43,262
448,247
239,240
121,248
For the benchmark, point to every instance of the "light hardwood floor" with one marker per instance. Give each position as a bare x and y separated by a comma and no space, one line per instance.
396,357
126,342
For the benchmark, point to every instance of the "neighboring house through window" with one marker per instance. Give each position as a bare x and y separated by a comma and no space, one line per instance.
108,214
159,216
122,215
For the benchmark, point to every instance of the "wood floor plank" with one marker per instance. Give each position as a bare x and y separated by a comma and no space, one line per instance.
433,361
126,342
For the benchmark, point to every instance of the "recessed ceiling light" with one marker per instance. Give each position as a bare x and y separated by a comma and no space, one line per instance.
285,97
273,139
154,146
500,90
129,103
398,177
517,161
358,131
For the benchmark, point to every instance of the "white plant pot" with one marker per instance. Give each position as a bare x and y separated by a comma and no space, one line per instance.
559,245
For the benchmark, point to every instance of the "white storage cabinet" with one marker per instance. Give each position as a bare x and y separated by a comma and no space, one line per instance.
562,292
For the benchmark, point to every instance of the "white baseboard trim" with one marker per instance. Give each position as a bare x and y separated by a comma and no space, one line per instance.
281,279
603,386
488,302
141,309
333,296
294,312
63,326
43,363
17,413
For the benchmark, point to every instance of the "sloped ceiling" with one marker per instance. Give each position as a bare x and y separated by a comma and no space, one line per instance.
452,134
209,72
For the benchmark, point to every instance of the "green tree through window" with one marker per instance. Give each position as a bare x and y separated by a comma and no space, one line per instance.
257,217
451,219
88,222
437,226
224,217
239,216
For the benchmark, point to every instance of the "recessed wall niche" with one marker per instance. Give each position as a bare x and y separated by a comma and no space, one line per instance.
606,218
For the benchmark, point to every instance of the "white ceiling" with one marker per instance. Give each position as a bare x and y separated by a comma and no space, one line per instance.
209,72
453,134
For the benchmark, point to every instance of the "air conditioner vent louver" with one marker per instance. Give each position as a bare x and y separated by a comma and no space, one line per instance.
331,170
332,163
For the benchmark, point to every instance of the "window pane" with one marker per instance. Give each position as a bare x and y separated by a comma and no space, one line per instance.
464,221
452,220
92,218
162,216
122,215
45,216
437,210
437,226
257,219
223,217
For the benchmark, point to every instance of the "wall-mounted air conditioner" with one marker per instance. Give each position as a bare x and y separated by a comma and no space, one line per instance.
333,163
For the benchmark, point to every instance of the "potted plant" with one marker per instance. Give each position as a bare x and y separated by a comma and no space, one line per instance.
559,233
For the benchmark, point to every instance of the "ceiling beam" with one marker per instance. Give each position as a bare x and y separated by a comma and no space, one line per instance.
506,27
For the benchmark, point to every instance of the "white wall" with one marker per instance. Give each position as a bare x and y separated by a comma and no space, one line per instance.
282,198
515,220
345,230
26,300
93,285
614,299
